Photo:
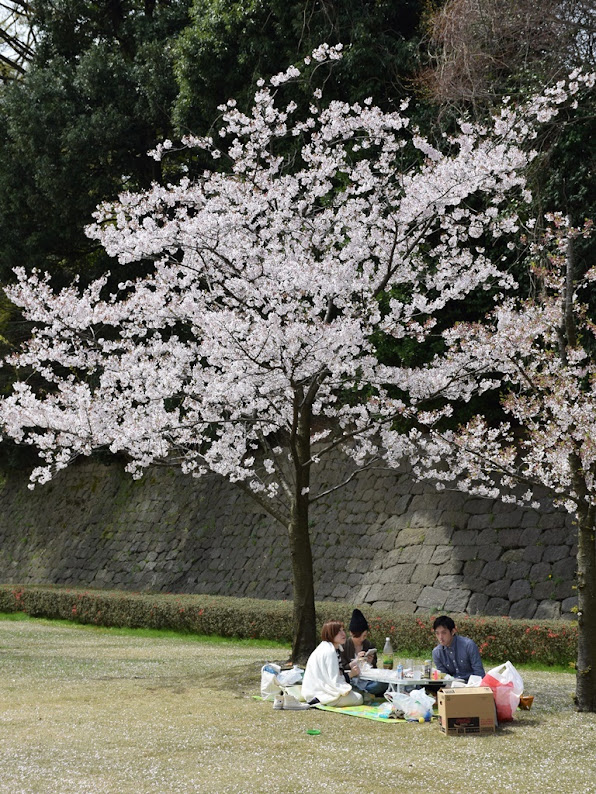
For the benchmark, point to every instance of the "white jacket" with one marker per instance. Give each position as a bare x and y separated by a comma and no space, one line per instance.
322,678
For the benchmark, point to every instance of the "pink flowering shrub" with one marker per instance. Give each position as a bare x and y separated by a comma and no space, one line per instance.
499,638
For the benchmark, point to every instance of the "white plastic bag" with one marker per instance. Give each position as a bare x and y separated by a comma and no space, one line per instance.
420,696
270,686
507,686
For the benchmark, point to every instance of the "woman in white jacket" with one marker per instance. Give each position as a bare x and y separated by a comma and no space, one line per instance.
323,681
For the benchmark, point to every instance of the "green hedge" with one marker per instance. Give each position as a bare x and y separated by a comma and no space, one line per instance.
545,642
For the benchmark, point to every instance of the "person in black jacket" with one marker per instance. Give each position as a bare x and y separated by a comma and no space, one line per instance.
357,646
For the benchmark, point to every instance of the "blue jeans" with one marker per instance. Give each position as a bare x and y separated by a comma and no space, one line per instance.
375,687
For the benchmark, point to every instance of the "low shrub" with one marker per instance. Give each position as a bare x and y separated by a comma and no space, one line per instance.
499,638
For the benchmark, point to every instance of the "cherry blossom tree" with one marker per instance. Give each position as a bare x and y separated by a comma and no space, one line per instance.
248,346
541,354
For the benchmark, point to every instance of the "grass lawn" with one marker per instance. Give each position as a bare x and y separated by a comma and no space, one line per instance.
100,710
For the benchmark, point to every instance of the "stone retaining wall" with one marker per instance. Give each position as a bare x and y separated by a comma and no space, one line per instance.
383,540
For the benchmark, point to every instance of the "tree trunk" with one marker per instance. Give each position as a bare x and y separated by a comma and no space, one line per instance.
586,614
305,638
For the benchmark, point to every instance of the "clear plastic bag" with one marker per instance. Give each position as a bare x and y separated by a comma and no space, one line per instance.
414,706
290,677
386,711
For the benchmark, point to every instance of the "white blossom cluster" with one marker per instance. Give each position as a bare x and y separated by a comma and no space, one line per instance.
547,379
265,284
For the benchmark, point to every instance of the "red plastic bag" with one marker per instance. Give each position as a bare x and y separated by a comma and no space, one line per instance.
507,686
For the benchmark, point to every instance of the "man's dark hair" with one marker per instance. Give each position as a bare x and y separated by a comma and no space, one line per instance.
444,620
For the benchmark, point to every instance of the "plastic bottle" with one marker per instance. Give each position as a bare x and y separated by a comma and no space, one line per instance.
388,655
427,668
400,670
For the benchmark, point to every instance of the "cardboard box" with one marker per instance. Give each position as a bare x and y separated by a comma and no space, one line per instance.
466,710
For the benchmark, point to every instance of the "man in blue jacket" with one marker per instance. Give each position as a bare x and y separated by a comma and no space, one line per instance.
458,656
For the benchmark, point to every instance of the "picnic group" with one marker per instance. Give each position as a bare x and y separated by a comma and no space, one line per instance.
332,676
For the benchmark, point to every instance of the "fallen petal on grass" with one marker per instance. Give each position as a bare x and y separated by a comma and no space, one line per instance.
90,712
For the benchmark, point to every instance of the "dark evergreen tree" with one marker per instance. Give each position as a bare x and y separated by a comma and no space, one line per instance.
76,128
231,43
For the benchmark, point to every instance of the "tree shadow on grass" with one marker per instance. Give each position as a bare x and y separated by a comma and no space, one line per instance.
240,678
520,725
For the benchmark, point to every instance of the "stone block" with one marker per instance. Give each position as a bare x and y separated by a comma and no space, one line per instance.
448,582
543,590
375,593
488,536
395,523
533,553
565,569
565,590
499,589
392,557
509,520
473,568
457,601
477,604
441,554
480,521
400,591
555,553
530,536
389,542
504,507
548,610
451,568
540,572
453,520
464,537
435,536
530,518
340,591
494,570
410,536
518,570
404,607
398,573
524,608
464,552
556,537
393,503
432,598
426,503
453,500
360,594
510,538
479,506
512,555
425,574
497,606
489,553
418,554
552,520
569,604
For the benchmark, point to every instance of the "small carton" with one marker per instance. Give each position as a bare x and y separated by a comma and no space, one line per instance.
466,710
